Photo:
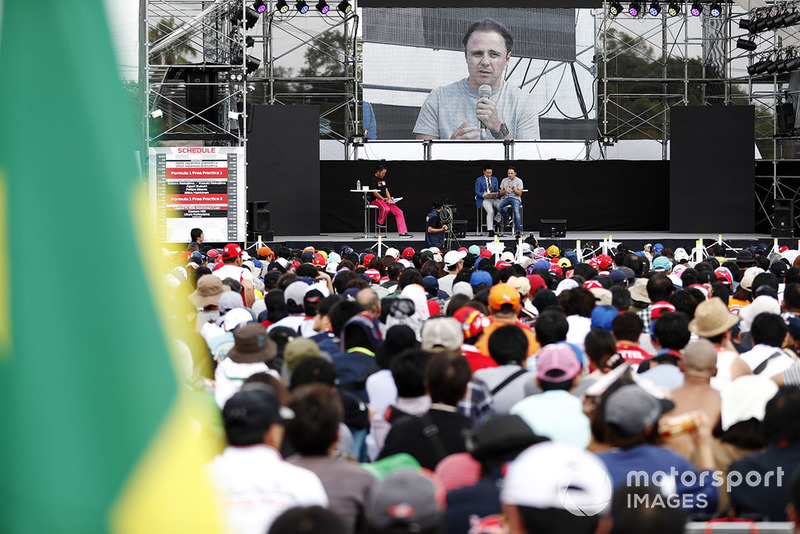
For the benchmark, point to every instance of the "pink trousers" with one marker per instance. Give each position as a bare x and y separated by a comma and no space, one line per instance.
394,210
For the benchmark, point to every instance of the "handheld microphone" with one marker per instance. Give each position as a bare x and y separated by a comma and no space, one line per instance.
484,91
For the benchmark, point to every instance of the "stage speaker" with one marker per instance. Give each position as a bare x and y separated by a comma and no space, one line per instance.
552,228
785,113
460,228
783,218
201,93
258,223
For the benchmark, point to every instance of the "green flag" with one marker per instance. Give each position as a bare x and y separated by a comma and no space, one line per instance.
91,412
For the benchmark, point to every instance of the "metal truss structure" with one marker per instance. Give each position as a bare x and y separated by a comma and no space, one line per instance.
638,107
206,60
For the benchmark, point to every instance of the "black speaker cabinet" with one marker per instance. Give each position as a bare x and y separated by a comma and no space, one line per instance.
552,228
460,228
783,218
258,220
201,93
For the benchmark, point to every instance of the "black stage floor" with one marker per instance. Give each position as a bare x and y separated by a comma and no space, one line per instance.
588,239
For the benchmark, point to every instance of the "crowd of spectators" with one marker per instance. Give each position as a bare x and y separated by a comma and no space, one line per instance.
471,391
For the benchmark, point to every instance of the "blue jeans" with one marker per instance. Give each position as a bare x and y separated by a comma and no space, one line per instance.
515,204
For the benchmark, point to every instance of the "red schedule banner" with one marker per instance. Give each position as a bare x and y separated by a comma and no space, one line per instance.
197,173
203,201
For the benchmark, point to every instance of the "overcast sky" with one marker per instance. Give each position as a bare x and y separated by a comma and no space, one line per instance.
123,18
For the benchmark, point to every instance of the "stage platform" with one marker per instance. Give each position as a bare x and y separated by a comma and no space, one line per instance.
588,239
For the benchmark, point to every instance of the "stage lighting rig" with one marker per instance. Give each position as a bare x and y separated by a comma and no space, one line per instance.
673,9
697,9
634,9
655,9
322,6
302,7
715,9
345,7
615,9
251,16
282,6
260,6
746,44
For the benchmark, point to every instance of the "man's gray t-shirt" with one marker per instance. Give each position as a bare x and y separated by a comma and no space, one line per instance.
506,183
447,107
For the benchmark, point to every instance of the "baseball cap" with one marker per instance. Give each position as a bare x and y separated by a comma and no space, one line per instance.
564,263
723,275
681,255
521,284
415,500
408,253
567,478
236,318
373,274
463,288
295,291
603,315
307,256
662,263
452,258
537,282
618,277
475,250
501,436
503,294
213,253
480,277
441,333
319,260
263,252
230,251
507,256
250,412
604,261
502,264
553,252
252,344
472,321
660,308
393,252
557,362
632,409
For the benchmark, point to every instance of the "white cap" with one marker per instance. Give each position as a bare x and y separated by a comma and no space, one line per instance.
453,257
558,475
393,252
507,256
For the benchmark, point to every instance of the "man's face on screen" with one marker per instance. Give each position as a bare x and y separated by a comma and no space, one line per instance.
486,59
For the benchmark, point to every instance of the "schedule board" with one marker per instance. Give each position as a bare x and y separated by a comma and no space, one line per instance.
198,187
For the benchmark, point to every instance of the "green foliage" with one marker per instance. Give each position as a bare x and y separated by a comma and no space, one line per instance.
636,108
179,52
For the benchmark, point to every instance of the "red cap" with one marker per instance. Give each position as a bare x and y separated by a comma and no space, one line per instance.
660,308
501,264
556,268
592,284
368,258
604,261
213,253
408,253
231,250
485,253
373,274
784,248
537,282
472,321
319,260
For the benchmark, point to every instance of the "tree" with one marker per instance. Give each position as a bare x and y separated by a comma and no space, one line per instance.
635,108
180,51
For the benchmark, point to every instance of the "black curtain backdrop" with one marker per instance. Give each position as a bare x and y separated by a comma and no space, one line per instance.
593,195
712,169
